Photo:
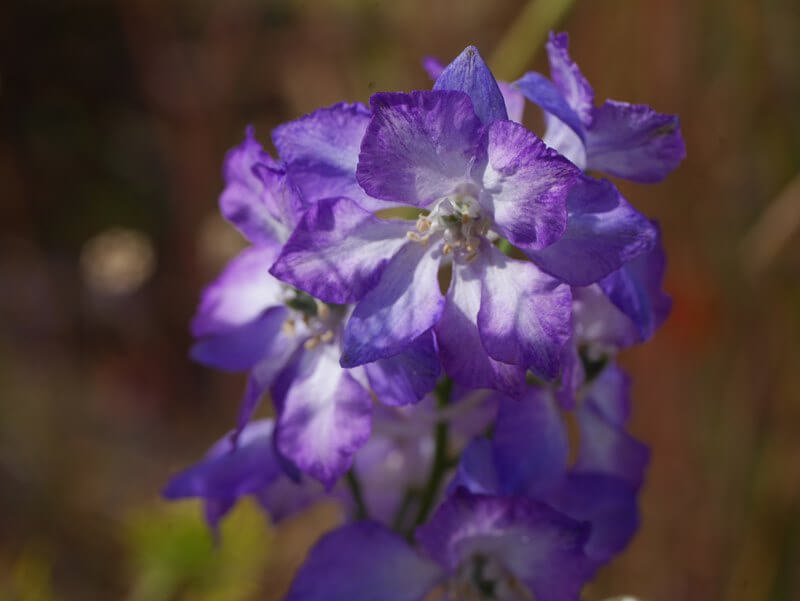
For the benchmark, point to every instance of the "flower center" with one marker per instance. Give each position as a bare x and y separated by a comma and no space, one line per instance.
457,220
311,318
482,578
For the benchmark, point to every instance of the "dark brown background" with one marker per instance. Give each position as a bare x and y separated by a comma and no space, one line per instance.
118,113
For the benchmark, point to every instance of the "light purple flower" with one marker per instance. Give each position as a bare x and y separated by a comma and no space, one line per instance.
474,547
472,184
626,140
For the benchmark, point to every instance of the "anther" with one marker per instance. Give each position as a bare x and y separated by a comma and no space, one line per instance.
327,336
311,343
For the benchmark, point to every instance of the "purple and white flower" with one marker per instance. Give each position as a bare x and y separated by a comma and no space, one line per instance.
632,141
475,547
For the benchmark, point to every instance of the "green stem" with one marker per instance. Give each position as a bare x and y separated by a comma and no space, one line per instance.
526,36
440,457
358,497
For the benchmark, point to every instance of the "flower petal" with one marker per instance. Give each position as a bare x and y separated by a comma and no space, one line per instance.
406,377
568,78
598,322
469,73
363,562
634,141
339,250
525,185
240,293
460,348
415,150
530,445
263,375
603,232
404,305
606,448
477,471
227,473
321,153
524,317
514,100
544,93
608,504
324,415
635,289
539,546
242,347
248,201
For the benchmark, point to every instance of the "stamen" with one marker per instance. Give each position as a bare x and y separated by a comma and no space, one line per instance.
311,343
288,327
447,249
327,336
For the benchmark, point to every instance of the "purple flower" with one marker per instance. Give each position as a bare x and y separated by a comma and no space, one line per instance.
603,230
474,547
230,471
601,487
472,182
290,342
626,140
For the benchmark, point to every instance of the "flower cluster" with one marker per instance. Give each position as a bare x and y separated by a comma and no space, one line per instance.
431,293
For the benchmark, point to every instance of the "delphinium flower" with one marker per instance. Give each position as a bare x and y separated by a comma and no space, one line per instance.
622,139
474,178
476,547
289,341
341,300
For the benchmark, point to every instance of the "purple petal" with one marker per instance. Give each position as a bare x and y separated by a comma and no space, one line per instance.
245,201
263,375
242,347
363,562
514,101
240,293
598,322
610,395
603,232
635,289
388,465
404,305
608,504
433,67
227,473
406,377
634,141
321,153
524,317
460,348
561,138
539,546
530,445
477,471
542,92
568,78
416,147
324,415
606,448
526,185
469,73
338,251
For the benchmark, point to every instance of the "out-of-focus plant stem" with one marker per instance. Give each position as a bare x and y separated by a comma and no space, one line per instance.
526,36
440,456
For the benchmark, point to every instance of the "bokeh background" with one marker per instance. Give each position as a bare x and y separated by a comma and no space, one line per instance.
114,119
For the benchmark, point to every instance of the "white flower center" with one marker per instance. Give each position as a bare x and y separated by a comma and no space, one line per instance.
310,318
457,221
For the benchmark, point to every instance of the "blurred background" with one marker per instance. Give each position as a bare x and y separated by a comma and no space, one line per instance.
114,119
